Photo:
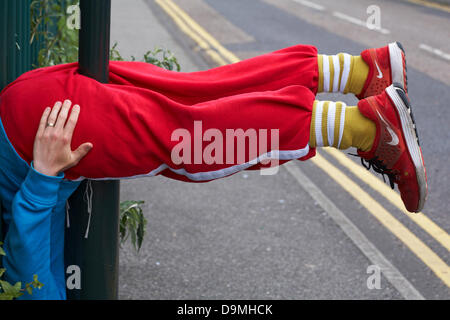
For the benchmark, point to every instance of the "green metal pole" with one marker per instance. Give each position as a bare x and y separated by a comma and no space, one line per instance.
14,40
97,255
14,46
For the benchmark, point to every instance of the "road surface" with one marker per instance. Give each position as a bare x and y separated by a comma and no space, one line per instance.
317,229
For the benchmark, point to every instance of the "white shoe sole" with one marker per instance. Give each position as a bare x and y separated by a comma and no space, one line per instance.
396,55
412,141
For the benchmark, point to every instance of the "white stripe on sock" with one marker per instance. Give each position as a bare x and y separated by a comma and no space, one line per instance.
346,72
318,124
342,123
326,73
337,71
330,122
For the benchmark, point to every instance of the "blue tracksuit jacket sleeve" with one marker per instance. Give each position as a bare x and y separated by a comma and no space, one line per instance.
28,240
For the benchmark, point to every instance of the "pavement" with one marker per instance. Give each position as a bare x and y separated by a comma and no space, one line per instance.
137,30
250,236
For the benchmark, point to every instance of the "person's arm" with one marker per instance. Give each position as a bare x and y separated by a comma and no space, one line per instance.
27,242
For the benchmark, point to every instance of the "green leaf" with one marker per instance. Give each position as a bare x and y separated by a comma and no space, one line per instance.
141,230
6,296
132,223
18,286
6,287
9,289
36,282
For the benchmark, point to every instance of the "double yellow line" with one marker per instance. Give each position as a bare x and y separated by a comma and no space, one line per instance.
431,4
222,56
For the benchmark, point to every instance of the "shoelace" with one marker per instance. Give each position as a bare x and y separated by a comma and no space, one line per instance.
379,167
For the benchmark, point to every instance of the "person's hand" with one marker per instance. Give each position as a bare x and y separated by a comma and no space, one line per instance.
52,153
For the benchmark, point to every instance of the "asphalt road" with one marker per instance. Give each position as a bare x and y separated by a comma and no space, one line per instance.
251,236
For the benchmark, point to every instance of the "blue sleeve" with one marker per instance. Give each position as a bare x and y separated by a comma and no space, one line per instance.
27,243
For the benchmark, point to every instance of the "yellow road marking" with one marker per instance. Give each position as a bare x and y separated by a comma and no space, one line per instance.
434,5
420,249
365,176
433,261
185,28
202,32
424,222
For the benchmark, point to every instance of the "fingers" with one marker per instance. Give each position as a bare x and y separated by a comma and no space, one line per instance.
62,117
72,122
43,122
82,151
52,147
54,113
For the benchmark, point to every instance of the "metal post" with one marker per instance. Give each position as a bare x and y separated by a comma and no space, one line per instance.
14,46
14,39
97,256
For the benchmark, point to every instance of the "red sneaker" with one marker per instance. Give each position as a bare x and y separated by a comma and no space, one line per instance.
396,150
387,65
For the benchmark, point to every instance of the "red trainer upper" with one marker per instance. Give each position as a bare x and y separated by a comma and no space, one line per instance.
391,152
386,66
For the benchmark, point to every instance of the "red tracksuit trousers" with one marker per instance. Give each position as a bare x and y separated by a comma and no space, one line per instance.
195,126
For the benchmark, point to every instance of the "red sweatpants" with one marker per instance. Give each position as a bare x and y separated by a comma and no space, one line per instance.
144,113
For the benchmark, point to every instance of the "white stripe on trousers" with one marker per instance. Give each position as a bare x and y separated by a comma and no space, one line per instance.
217,174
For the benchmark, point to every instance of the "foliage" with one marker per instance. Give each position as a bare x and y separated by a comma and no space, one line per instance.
159,57
132,222
48,26
9,291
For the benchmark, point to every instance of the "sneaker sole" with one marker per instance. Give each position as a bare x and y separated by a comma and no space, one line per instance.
404,111
399,69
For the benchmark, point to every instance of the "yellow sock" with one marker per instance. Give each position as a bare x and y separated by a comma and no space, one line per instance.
342,73
334,124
